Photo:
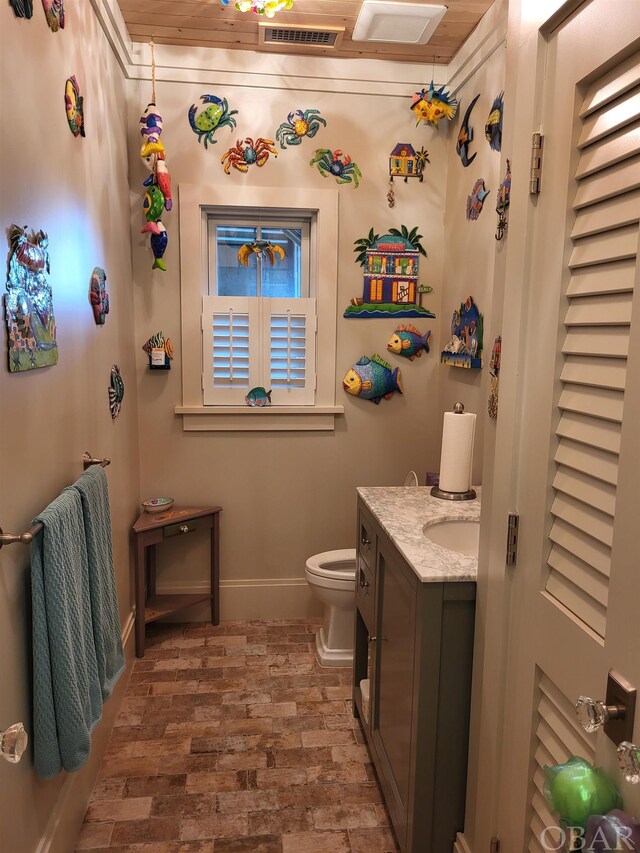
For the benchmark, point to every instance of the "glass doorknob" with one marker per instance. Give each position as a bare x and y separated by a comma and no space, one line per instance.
13,742
593,714
629,761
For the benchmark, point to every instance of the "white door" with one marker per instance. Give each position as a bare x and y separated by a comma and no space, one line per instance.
576,591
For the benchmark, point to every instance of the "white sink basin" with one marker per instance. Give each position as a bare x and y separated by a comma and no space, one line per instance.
460,536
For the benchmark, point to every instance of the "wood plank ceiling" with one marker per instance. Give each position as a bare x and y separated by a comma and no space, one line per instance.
207,23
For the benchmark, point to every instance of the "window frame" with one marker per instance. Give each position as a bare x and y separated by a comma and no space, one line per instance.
196,205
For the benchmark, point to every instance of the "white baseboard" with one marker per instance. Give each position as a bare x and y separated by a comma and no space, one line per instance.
460,844
251,598
65,821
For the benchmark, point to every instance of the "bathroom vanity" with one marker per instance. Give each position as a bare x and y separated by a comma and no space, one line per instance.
415,612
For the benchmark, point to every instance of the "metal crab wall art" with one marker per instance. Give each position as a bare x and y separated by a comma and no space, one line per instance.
338,164
297,125
205,123
247,152
264,249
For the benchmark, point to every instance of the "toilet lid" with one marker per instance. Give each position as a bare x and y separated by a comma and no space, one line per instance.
339,564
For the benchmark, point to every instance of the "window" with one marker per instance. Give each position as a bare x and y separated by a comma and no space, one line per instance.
260,323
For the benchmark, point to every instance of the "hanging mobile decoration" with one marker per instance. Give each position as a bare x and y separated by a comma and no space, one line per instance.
494,370
160,352
409,342
28,302
158,197
297,125
216,115
74,105
116,392
493,127
268,8
337,164
465,136
475,201
22,8
431,104
502,203
464,348
261,248
54,13
247,153
98,296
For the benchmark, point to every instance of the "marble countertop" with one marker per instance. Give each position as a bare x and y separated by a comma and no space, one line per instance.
402,512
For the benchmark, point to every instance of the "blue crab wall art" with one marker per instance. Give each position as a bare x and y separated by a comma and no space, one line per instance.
337,164
214,116
297,125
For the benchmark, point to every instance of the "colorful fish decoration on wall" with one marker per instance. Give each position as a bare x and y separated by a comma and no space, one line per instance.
116,392
98,296
22,8
258,397
214,116
297,125
431,104
160,352
74,105
372,379
465,136
409,342
493,127
475,201
54,13
28,302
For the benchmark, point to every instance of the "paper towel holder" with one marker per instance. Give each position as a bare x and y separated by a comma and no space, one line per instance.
437,492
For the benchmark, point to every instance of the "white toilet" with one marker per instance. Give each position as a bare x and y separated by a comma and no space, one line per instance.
332,577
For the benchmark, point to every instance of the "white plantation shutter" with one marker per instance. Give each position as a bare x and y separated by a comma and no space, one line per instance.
594,352
290,349
249,342
230,349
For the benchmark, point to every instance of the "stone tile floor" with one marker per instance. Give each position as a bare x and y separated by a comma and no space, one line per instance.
232,739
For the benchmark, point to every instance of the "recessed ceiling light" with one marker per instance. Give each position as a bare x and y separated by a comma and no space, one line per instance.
404,23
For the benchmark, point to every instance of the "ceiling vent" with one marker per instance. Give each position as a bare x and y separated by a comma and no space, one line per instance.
320,37
402,23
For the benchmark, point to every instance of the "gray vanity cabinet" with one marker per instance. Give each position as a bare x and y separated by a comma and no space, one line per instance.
414,641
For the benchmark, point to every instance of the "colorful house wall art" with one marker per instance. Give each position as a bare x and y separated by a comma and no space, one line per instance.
464,348
390,276
28,302
405,162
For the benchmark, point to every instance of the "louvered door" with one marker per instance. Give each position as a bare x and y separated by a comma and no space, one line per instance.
577,578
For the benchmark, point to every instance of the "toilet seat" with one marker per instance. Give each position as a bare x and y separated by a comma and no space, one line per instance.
339,565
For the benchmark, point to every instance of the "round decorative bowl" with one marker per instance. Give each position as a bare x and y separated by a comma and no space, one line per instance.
157,504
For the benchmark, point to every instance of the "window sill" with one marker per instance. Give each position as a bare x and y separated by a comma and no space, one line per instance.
247,418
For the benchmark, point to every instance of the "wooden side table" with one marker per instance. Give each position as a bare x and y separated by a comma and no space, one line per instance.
153,528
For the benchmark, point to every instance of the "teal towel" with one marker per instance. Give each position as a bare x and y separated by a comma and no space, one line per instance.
67,702
94,493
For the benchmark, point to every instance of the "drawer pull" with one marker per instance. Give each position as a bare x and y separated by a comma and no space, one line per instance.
365,542
184,528
363,582
372,639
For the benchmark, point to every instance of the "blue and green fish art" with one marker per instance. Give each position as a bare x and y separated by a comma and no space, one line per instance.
408,342
465,137
475,201
258,397
372,379
493,127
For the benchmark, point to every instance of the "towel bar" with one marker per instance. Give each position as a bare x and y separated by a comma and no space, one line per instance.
27,538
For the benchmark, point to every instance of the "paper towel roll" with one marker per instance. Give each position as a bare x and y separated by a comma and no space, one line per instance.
458,433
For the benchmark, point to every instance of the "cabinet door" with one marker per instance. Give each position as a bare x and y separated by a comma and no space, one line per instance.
393,681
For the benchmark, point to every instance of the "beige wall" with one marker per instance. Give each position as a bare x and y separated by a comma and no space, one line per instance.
470,244
77,191
287,495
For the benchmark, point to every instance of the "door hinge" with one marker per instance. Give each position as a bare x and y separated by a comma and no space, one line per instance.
536,163
512,538
495,845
